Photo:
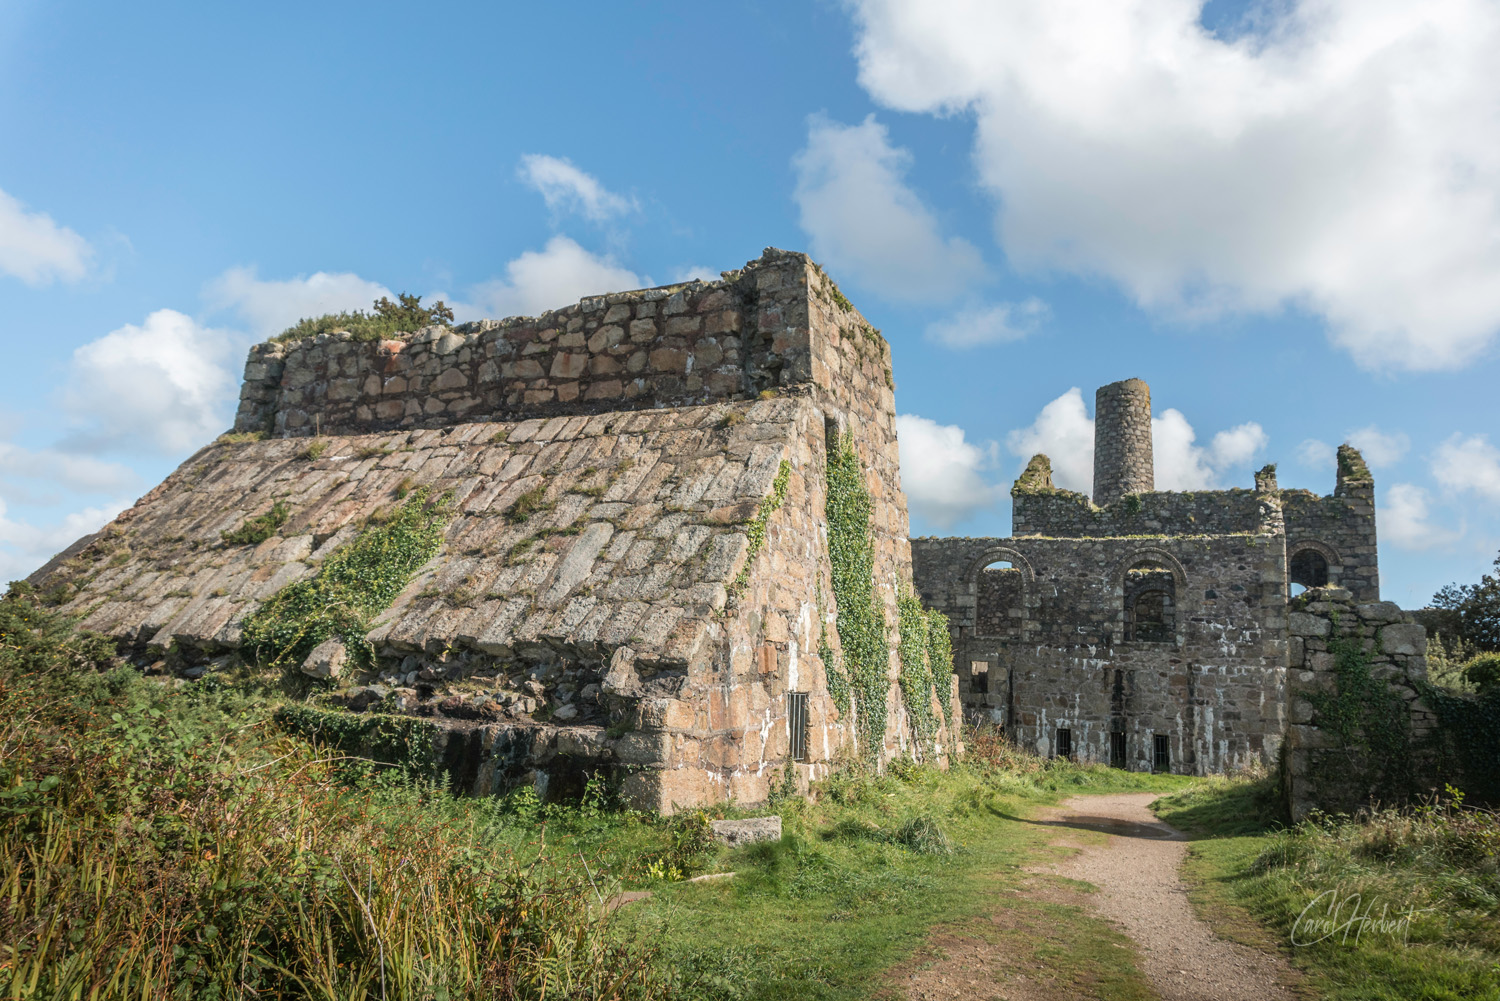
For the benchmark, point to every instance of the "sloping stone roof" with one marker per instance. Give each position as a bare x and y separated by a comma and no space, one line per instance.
641,529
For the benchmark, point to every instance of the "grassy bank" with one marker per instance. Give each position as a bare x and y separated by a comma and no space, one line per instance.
168,840
1404,904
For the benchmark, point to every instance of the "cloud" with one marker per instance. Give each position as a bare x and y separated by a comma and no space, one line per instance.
1316,454
25,547
1065,433
1405,520
269,307
160,386
1469,464
37,250
558,275
993,324
940,472
565,187
1378,447
863,221
34,476
1344,159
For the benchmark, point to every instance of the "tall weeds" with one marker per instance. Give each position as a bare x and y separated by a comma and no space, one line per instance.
158,845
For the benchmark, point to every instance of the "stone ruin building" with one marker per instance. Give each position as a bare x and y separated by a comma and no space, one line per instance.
1157,630
636,577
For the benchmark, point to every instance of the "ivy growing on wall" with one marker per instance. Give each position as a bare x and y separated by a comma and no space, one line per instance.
860,623
756,530
833,666
940,662
1366,715
916,674
1468,738
397,740
355,584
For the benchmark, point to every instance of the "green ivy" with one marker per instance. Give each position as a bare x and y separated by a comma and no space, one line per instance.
397,740
1468,735
860,623
756,530
916,675
940,662
355,584
1366,715
833,666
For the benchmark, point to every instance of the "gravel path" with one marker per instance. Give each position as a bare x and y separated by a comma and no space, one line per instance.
1136,872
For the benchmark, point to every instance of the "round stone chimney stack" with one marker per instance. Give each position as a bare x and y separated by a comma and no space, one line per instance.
1122,441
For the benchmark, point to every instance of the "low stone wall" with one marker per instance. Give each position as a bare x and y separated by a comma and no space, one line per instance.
1377,759
672,346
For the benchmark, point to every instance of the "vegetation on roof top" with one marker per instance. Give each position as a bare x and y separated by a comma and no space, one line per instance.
389,318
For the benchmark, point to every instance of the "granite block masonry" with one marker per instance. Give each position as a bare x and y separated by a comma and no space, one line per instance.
624,626
1151,630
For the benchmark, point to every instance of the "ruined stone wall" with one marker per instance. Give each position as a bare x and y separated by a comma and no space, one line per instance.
1320,770
672,346
1066,514
1216,689
1123,462
1341,527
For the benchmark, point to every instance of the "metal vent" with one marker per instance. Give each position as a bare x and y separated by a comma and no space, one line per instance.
796,712
1161,761
1064,743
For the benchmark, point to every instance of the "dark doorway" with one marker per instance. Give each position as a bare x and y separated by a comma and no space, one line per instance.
1117,750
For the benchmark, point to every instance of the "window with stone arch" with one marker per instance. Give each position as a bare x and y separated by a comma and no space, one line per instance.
1307,566
1150,602
1000,593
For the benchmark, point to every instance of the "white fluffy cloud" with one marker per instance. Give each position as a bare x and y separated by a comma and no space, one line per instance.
564,187
863,221
692,273
1380,448
941,472
1064,432
25,547
1469,464
1345,160
557,275
1406,521
161,385
37,250
990,324
269,307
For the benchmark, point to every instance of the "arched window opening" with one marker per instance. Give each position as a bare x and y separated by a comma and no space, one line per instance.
1150,603
1307,568
1001,606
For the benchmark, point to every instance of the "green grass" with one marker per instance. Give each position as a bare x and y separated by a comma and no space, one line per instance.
1253,878
825,913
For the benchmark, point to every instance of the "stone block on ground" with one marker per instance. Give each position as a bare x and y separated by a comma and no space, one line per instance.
735,833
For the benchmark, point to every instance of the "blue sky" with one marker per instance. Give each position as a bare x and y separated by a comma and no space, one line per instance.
1283,218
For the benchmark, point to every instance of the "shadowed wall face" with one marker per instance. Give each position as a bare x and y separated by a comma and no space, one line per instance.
1122,441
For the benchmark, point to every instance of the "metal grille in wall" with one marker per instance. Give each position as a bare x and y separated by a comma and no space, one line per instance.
796,710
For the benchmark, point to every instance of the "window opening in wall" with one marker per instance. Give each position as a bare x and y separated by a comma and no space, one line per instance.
797,718
1000,600
1150,603
979,677
1117,750
1307,568
1064,743
1161,760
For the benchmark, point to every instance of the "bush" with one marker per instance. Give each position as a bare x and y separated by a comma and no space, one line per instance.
389,318
1483,671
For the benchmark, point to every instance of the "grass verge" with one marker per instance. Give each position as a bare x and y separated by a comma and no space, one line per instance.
1402,904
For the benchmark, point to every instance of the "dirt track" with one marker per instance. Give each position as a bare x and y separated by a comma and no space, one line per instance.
1141,891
